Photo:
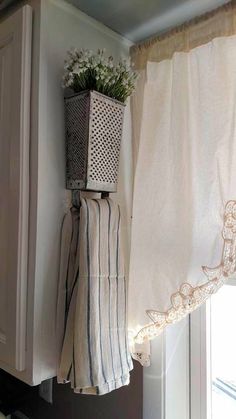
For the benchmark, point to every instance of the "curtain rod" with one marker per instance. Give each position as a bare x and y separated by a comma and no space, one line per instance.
181,28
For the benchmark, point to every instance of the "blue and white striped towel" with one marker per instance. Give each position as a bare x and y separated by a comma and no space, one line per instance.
95,356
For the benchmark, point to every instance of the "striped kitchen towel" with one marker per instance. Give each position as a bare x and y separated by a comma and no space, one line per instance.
95,356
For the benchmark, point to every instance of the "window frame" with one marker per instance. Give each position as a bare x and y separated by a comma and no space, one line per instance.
200,365
200,348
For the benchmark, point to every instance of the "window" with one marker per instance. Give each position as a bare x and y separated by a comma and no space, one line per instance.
213,349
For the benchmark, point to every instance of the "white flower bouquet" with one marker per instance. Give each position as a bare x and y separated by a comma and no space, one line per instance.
85,70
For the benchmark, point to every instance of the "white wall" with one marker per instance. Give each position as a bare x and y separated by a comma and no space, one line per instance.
154,381
166,381
62,27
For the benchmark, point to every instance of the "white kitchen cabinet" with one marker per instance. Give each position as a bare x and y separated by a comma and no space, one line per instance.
32,174
15,67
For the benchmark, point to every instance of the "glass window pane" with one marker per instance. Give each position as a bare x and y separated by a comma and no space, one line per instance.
223,353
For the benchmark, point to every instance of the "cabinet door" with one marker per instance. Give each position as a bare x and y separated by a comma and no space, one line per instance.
15,65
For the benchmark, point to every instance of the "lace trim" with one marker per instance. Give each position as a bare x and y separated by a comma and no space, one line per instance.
142,358
188,298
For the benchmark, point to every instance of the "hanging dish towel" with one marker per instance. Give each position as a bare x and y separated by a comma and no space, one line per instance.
95,356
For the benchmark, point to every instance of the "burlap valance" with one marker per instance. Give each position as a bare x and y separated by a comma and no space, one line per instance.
201,30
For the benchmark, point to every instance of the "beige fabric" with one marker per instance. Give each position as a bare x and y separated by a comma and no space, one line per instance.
199,31
185,175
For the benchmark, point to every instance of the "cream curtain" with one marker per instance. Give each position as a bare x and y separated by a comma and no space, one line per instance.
184,213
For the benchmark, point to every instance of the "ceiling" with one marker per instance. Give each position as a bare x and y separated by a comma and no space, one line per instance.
140,19
137,20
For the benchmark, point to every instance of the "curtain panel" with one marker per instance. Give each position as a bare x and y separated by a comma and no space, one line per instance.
184,210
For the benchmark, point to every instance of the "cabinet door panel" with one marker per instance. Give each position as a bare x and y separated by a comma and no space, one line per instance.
5,77
15,64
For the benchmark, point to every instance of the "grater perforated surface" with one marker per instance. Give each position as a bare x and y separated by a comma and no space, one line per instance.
94,125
